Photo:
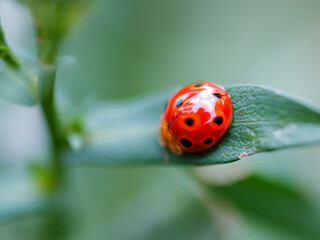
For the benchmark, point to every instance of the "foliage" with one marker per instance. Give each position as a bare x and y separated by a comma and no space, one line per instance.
16,84
124,133
275,203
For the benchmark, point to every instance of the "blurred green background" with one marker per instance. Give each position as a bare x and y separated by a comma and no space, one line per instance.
126,48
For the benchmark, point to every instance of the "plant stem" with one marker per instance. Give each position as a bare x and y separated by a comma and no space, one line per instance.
47,77
46,24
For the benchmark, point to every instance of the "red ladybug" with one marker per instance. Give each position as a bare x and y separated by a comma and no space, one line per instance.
196,118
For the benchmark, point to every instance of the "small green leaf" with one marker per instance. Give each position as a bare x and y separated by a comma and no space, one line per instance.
3,51
15,83
276,204
265,119
17,86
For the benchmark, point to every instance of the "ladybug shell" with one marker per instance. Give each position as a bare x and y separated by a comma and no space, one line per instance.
196,118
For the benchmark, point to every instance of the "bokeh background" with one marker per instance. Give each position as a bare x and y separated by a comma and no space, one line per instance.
126,48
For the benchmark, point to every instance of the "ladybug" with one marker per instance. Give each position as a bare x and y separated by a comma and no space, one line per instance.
196,118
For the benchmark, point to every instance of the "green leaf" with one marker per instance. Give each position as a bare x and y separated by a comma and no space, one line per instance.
19,197
103,203
17,86
192,223
276,204
126,132
24,211
15,83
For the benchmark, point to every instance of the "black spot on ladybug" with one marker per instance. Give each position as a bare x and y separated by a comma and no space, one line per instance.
199,85
218,120
179,102
185,142
189,122
217,95
208,141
